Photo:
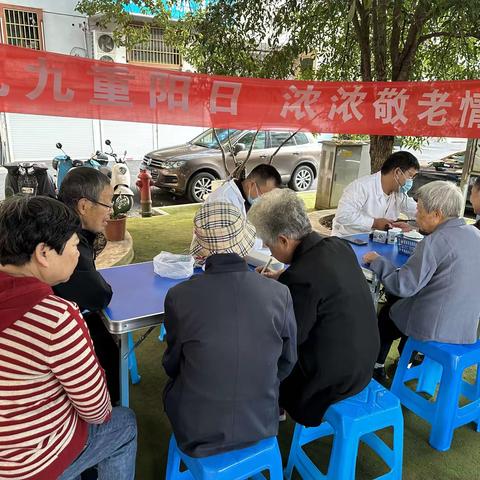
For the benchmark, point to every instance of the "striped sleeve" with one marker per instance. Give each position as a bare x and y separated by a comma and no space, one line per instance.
73,361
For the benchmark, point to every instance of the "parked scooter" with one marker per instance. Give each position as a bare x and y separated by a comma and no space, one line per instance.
122,193
63,163
29,179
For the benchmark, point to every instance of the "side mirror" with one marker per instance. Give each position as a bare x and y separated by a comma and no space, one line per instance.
107,142
58,145
239,147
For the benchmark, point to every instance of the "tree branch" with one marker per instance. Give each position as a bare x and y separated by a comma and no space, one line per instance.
395,36
426,37
379,24
239,168
222,149
409,50
362,29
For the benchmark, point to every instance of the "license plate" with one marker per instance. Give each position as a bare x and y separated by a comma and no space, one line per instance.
28,190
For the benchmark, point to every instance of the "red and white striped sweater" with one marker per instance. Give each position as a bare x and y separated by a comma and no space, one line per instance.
51,386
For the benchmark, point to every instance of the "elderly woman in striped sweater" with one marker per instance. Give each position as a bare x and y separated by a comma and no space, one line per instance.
56,418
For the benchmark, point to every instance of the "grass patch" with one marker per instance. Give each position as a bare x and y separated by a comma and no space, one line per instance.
172,232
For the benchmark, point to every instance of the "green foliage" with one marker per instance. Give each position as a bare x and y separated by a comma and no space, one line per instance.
111,12
352,39
369,40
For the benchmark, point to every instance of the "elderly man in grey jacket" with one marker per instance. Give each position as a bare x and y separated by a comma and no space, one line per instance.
438,285
231,336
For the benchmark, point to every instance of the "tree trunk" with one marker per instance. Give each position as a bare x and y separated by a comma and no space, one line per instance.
381,147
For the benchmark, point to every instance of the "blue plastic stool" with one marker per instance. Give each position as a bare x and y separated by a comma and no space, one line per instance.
443,366
235,465
163,332
132,361
350,421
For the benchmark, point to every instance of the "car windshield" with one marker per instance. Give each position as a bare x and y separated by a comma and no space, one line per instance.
207,139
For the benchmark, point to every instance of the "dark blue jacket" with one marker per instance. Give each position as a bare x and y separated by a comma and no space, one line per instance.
231,338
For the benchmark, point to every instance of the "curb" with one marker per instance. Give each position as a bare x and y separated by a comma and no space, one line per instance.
116,253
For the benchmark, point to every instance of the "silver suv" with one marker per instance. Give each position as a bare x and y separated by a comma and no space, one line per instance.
189,169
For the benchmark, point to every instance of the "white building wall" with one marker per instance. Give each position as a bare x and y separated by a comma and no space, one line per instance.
33,137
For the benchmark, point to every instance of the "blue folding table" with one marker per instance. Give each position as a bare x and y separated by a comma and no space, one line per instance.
137,302
386,250
139,296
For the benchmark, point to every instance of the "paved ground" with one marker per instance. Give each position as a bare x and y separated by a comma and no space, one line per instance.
435,151
159,197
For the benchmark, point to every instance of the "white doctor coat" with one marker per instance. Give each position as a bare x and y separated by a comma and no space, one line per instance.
228,193
363,201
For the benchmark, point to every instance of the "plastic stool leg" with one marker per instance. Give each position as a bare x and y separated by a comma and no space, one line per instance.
441,434
398,435
343,459
173,462
132,361
294,447
163,332
430,376
276,469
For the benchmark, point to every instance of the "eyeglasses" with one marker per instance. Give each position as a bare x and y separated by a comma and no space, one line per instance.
110,207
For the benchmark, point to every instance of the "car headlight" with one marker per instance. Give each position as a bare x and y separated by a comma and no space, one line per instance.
175,164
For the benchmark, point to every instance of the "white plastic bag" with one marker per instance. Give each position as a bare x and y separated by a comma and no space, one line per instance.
171,265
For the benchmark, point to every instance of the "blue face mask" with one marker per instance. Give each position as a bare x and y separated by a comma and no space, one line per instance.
406,186
250,199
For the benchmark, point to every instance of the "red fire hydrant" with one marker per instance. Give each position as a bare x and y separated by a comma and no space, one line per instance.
144,182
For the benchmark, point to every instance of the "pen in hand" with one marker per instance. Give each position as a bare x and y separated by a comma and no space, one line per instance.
266,266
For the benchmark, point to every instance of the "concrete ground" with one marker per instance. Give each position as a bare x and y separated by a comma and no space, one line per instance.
434,151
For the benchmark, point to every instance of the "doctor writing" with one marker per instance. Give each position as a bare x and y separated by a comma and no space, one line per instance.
375,202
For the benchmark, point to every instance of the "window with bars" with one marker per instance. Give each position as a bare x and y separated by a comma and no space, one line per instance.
156,51
21,27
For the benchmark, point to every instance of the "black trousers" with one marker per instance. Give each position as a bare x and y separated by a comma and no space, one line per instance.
107,353
389,332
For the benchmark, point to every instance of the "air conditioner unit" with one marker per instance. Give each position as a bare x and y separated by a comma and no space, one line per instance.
104,48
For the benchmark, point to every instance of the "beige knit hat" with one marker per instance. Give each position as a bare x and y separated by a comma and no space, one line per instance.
220,227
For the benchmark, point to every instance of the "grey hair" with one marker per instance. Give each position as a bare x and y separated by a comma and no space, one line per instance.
280,212
82,182
442,197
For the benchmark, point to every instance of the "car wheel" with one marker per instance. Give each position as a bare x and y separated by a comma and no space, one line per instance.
200,186
302,178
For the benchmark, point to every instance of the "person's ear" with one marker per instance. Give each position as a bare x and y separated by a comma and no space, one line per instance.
83,206
283,240
42,254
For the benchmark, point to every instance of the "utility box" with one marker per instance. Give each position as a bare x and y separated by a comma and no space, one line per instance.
341,163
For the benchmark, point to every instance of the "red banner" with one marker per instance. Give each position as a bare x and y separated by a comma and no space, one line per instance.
50,84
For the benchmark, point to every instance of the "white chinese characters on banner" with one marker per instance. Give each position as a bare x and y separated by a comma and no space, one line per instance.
390,105
348,108
110,85
225,91
470,107
435,113
4,89
44,71
300,102
173,88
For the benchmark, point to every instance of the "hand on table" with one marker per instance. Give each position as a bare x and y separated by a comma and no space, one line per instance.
270,273
382,224
369,257
403,225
